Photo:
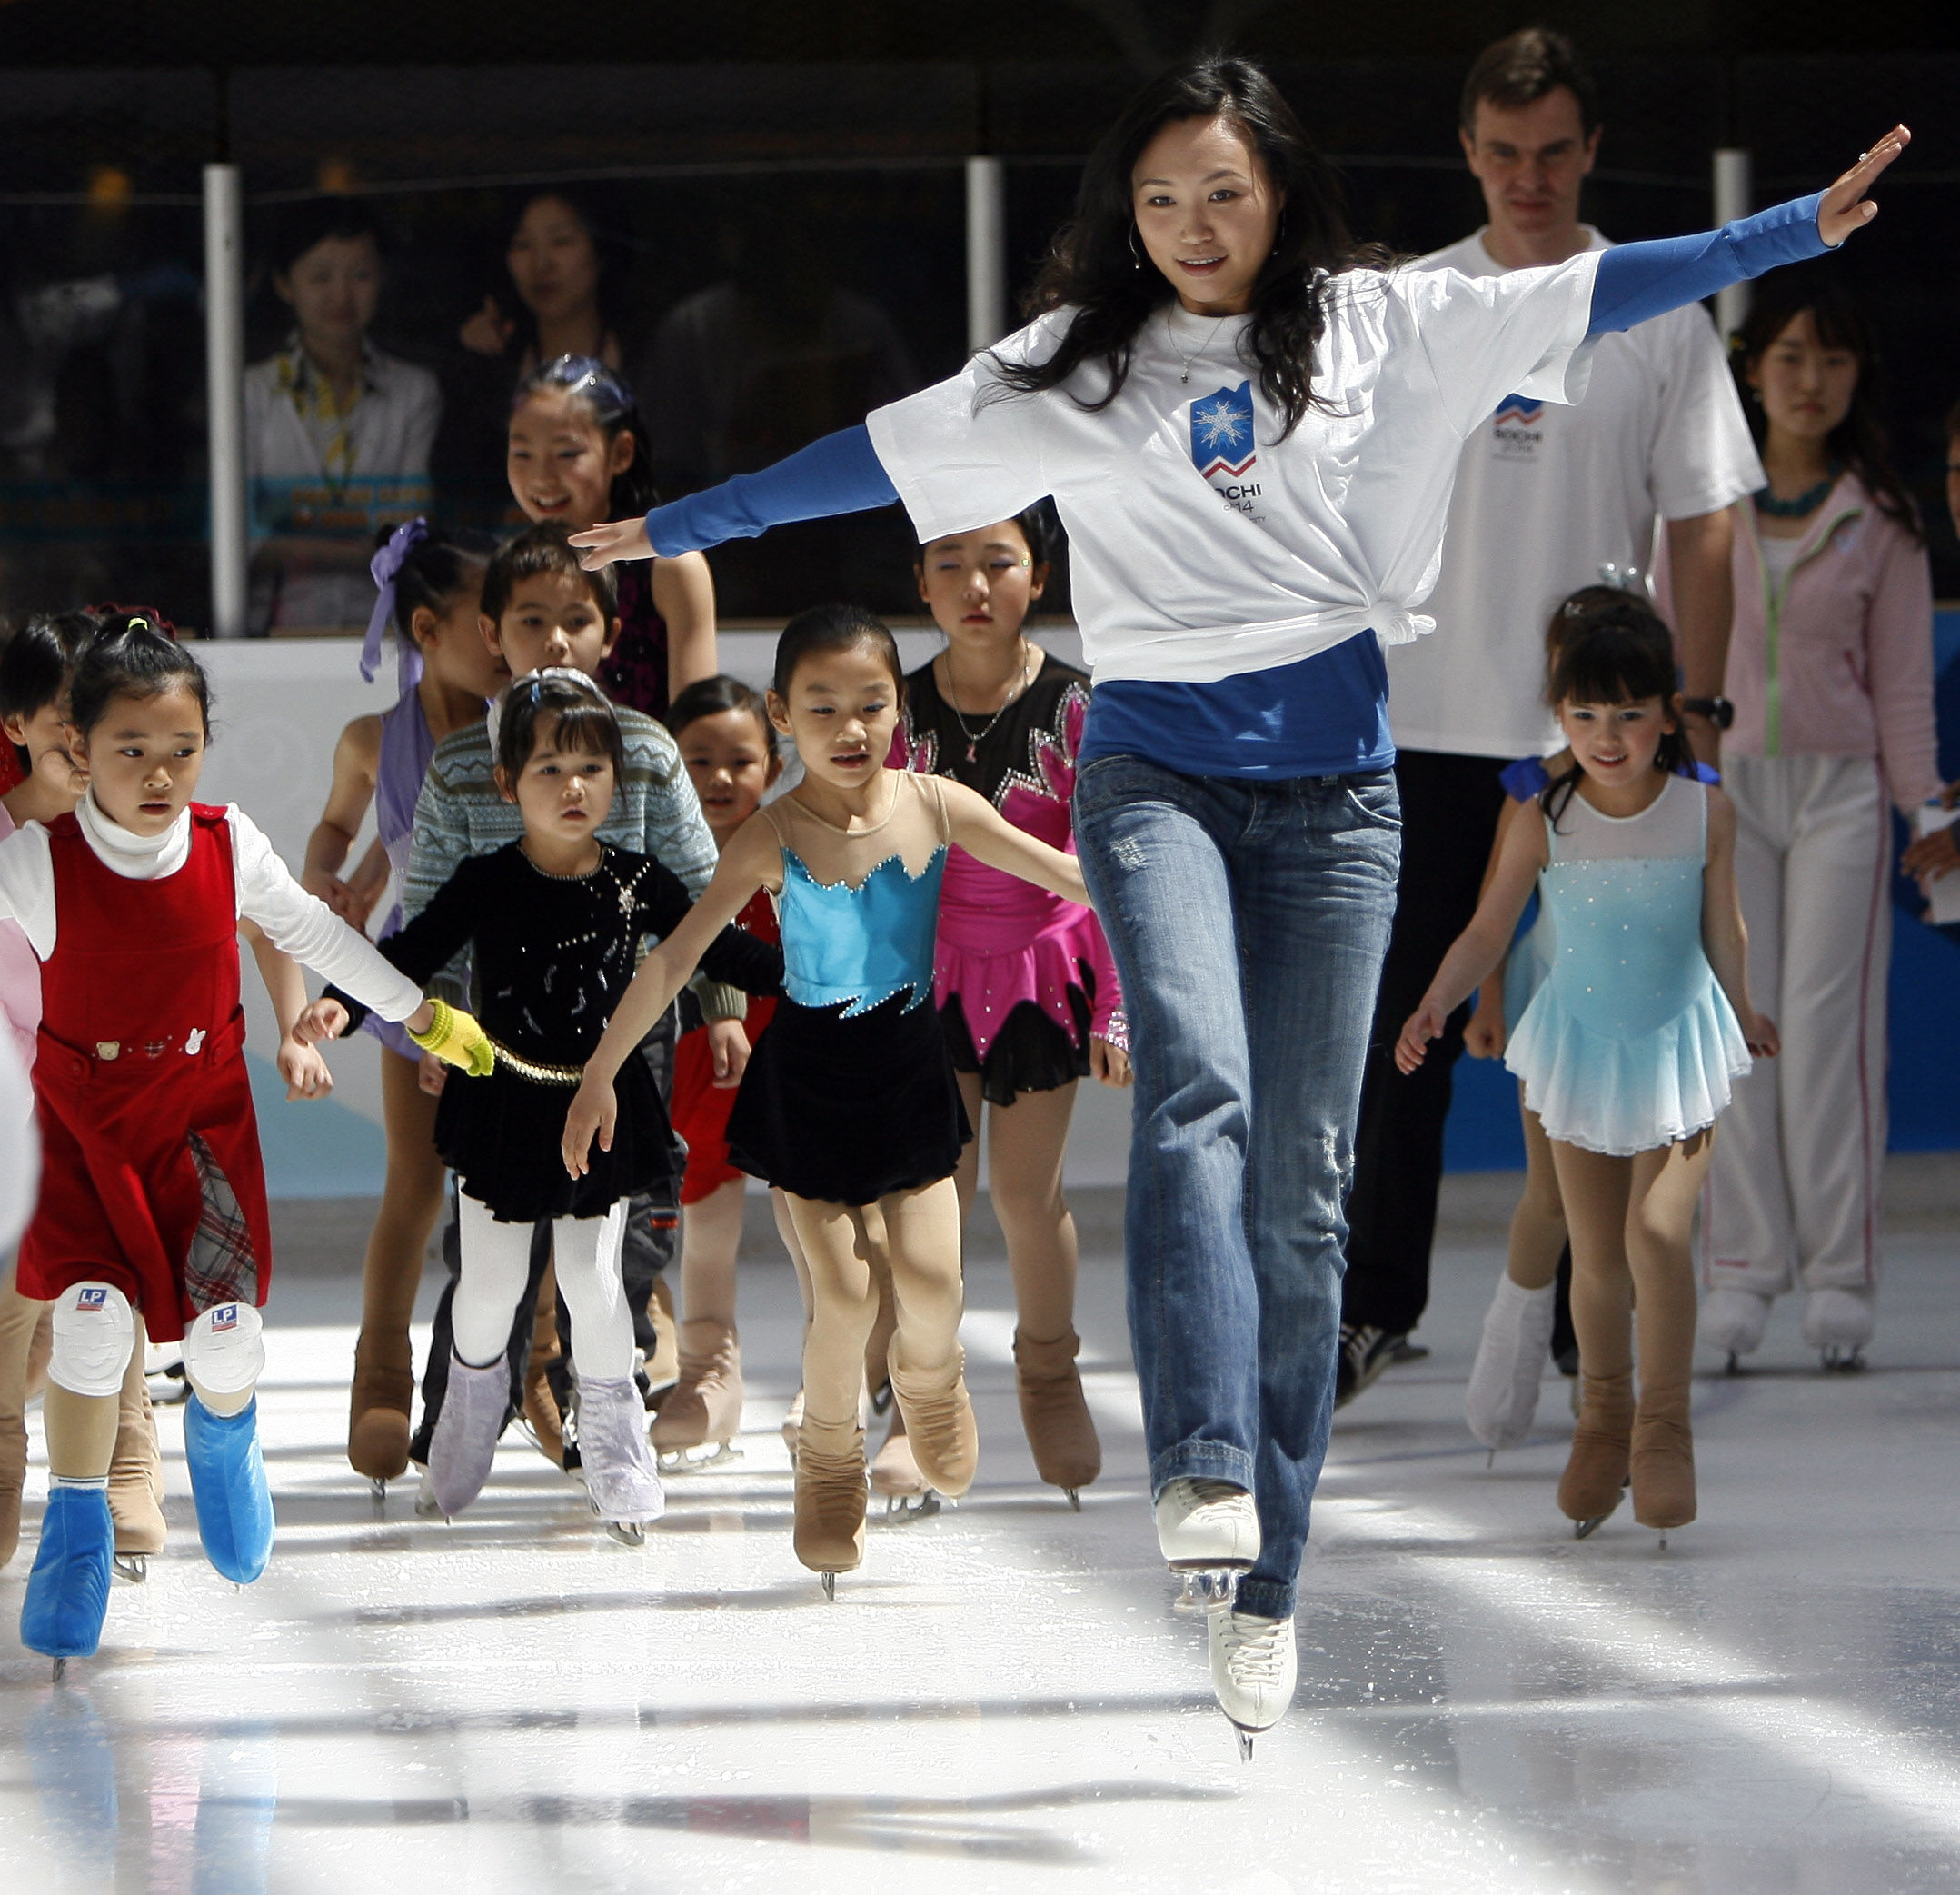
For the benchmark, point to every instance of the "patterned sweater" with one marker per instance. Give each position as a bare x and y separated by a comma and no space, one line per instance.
461,813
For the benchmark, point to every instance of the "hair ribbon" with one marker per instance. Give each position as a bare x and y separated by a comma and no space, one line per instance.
386,566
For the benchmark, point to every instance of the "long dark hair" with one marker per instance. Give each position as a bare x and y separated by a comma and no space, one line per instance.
1858,440
615,412
1605,646
1092,267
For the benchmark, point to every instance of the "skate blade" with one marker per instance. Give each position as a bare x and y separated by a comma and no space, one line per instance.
377,1491
1586,1528
1839,1361
1075,1500
132,1568
881,1399
903,1507
1245,1745
61,1671
1210,1590
696,1460
628,1532
830,1587
1735,1364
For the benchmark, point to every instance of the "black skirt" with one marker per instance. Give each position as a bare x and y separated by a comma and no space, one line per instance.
1030,1054
503,1136
846,1111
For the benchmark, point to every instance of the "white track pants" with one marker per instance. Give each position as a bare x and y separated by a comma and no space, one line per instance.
1795,1176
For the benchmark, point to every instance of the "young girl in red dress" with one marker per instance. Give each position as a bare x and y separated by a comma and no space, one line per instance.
153,1191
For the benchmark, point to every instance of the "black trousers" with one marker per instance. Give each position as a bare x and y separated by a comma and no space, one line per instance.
1450,806
652,1239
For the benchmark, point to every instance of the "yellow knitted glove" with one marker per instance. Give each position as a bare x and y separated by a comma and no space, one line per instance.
455,1038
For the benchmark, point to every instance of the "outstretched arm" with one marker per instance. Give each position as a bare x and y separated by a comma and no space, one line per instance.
984,832
1638,281
1481,945
752,854
840,473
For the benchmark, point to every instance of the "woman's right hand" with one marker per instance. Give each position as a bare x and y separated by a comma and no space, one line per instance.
431,1075
488,331
612,540
1425,1023
333,891
1764,1041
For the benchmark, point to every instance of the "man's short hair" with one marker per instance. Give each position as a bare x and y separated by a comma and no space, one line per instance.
1522,68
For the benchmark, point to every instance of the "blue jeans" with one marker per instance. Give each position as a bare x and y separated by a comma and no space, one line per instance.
1248,922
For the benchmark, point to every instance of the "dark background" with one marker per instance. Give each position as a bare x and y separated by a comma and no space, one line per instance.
834,132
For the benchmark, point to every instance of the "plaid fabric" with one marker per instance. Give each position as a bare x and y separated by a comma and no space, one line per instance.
220,1267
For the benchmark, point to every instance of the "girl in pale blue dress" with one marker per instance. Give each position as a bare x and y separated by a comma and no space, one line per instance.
1628,1045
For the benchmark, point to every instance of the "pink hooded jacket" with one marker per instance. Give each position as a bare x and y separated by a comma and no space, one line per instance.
1840,662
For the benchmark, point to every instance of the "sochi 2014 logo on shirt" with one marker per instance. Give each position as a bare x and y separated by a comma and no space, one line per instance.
1221,443
1517,429
96,1299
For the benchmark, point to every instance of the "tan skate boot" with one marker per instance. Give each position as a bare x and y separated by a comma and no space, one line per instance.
830,1498
704,1407
541,1414
136,1474
20,1316
1596,1472
895,1476
663,1366
939,1418
378,1405
1663,1460
1056,1418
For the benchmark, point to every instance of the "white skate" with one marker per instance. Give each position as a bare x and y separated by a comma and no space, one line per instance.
1837,1323
1254,1668
1209,1530
1502,1398
622,1484
1732,1322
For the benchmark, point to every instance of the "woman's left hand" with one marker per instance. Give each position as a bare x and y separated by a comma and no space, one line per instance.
1846,207
595,1109
323,1020
1109,1062
612,540
1760,1031
1933,856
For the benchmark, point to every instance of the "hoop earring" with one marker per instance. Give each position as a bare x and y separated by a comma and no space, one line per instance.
1279,234
1136,256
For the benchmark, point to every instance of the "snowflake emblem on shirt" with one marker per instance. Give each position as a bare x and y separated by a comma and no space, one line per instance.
1220,424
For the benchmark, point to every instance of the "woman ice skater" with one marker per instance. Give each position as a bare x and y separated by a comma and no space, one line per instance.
1251,432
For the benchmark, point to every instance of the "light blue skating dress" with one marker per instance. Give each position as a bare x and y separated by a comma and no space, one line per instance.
1627,1042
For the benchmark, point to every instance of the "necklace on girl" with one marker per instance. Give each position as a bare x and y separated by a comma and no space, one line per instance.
1807,502
1199,350
974,738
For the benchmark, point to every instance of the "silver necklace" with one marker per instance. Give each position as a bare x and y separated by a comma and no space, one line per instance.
973,736
1202,347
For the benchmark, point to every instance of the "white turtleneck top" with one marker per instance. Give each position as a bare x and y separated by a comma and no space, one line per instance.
295,921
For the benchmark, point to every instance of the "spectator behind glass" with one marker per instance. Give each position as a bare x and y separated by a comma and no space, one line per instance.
751,368
337,434
561,295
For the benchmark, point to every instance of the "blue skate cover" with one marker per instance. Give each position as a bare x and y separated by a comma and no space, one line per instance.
235,1507
68,1589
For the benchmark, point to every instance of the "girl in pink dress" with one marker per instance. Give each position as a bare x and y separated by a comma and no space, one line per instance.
1025,986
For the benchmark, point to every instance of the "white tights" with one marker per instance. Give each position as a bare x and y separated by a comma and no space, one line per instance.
496,1267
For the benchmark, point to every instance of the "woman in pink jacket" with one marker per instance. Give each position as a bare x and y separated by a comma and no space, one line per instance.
1830,675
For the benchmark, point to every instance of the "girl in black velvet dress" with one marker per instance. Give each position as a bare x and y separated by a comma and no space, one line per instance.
555,921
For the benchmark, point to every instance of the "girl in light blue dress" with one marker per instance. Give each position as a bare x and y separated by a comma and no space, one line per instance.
1626,1049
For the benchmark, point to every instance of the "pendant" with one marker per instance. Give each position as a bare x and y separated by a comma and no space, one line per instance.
1185,377
973,752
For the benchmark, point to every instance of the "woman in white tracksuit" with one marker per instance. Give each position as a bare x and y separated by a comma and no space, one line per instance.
1830,673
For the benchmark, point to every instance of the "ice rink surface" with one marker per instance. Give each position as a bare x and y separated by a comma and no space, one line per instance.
1003,1697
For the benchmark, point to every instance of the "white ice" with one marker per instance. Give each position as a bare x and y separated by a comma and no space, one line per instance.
1004,1699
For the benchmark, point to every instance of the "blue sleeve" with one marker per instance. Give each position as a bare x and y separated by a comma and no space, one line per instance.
840,473
1639,281
1525,779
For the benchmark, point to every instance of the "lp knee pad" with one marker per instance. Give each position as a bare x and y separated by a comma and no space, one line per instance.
223,1350
95,1332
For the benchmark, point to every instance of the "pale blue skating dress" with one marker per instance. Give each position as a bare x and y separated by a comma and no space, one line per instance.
1627,1042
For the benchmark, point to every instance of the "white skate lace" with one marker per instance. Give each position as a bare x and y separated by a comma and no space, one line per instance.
1217,1493
1255,1649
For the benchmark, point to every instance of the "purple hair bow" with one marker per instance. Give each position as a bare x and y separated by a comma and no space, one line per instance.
386,566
